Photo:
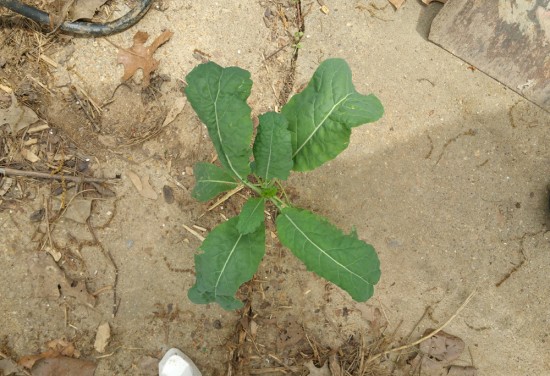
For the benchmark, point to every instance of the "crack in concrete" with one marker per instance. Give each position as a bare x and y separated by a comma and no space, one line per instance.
288,83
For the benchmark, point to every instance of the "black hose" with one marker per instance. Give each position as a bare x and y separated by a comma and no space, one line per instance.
81,27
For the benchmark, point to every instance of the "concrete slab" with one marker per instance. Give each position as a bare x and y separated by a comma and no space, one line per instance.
450,186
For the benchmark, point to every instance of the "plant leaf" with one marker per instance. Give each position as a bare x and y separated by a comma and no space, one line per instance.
343,259
252,215
229,259
272,147
218,96
322,115
210,181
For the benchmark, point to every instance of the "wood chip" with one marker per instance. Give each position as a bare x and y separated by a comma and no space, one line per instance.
102,337
196,234
29,155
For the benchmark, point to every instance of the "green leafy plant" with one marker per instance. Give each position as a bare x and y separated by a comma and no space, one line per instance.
312,128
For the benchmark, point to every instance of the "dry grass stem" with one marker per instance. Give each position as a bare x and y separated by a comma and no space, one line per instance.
429,335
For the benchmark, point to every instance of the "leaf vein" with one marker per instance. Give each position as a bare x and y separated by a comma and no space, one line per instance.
320,124
225,264
323,251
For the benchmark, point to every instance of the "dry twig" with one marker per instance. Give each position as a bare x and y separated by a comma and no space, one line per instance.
429,335
45,175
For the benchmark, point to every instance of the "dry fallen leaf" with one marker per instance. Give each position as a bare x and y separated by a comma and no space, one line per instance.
54,253
442,347
49,281
102,337
431,1
56,348
176,109
64,366
438,352
17,116
397,3
148,191
29,155
142,185
5,185
84,9
140,56
135,180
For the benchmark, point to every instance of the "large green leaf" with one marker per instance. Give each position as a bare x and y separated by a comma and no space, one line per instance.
252,215
322,115
228,260
210,181
272,147
218,96
342,259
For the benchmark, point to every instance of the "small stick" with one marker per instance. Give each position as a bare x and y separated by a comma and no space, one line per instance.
39,84
45,175
197,235
224,198
199,228
261,371
433,333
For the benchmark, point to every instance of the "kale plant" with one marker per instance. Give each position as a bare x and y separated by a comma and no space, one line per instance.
312,128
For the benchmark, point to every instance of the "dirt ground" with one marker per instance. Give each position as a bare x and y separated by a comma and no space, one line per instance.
450,187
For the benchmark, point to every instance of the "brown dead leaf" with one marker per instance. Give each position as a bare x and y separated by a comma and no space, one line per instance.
16,116
291,335
29,155
84,9
64,366
148,191
49,281
438,352
5,185
142,185
397,3
139,56
176,109
136,180
56,348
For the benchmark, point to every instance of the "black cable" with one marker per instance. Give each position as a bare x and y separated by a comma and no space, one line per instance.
81,27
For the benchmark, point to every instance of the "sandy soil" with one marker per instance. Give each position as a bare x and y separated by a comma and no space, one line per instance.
450,187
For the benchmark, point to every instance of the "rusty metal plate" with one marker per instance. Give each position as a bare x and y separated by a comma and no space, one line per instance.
507,39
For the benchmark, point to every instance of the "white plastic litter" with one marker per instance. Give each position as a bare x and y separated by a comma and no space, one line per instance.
176,363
